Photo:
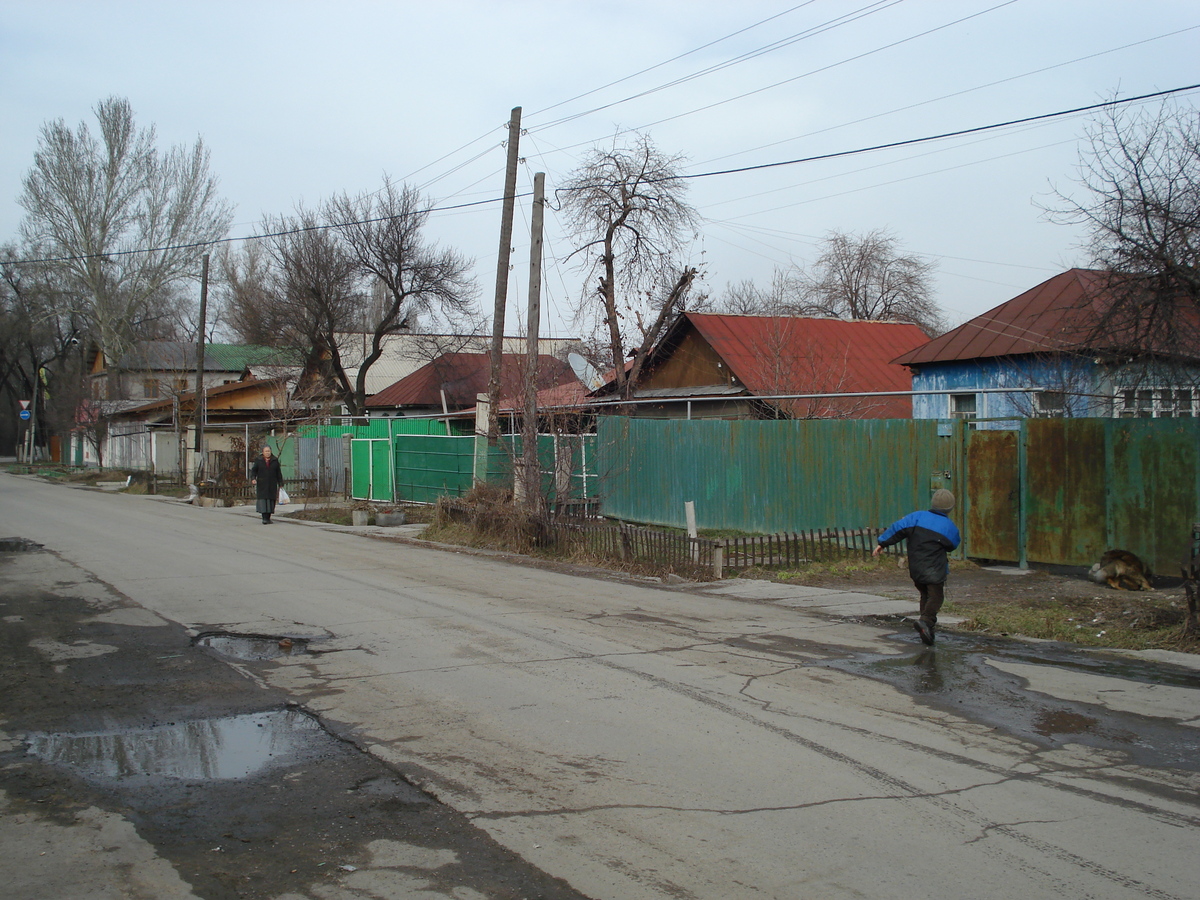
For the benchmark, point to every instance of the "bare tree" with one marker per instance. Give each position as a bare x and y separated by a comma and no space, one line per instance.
867,277
627,211
319,293
1140,171
784,296
125,222
246,290
40,341
383,233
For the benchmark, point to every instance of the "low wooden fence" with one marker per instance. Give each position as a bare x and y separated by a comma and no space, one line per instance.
669,549
630,543
296,488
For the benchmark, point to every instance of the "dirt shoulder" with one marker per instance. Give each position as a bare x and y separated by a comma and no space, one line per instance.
1038,604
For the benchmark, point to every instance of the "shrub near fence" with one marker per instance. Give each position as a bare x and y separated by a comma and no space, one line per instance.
669,549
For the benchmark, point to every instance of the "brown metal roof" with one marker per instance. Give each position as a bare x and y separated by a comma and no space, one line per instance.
1056,315
820,355
463,376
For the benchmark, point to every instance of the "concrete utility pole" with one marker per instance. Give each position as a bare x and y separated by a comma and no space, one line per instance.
199,404
510,191
529,431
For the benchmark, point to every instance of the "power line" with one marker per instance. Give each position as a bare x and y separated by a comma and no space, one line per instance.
947,134
831,66
666,62
790,162
814,31
960,93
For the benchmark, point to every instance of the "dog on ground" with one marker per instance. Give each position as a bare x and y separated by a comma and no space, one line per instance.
1122,570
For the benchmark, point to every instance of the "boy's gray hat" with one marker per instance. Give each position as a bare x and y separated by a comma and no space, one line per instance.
943,500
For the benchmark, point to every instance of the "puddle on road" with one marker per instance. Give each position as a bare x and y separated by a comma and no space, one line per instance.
956,676
18,545
200,750
252,647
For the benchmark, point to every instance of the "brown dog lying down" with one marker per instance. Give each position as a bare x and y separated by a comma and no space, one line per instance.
1122,570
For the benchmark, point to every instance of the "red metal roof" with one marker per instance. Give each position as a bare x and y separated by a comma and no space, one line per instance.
465,375
1058,314
791,354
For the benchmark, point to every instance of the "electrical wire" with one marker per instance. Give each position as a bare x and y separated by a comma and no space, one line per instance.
763,166
953,94
782,43
666,62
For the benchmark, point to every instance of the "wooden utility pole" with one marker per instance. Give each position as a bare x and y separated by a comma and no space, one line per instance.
529,431
199,404
510,192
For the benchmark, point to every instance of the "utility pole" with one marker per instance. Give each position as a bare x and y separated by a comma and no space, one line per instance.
510,191
529,431
199,404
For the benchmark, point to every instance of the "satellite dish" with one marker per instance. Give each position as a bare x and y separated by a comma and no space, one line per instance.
585,371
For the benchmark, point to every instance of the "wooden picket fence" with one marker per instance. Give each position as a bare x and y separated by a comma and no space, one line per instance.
630,543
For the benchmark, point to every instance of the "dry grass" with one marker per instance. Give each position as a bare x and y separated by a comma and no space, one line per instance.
1131,621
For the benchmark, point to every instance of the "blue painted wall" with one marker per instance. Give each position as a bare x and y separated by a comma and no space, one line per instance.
1076,377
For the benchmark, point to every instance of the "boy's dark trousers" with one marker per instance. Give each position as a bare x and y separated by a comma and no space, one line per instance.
932,597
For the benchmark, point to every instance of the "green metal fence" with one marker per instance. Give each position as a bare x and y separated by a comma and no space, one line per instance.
773,476
1053,491
1062,491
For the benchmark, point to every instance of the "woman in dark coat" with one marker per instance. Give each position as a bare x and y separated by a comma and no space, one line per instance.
267,478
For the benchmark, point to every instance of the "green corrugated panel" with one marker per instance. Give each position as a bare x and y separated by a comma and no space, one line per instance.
360,469
432,466
381,474
1152,495
770,476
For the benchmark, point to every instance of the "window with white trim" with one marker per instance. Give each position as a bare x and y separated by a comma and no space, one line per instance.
1156,403
964,406
1050,404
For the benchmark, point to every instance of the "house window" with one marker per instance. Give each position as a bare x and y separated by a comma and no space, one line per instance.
181,384
1156,403
150,388
1051,404
964,406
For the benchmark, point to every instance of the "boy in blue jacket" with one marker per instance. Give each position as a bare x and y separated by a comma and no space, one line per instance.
931,535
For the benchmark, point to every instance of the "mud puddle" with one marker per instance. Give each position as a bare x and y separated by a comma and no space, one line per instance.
224,748
958,675
252,647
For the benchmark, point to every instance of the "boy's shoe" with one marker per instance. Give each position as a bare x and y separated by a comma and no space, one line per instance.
925,630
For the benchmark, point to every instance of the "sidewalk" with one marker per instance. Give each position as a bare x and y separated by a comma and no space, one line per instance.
827,601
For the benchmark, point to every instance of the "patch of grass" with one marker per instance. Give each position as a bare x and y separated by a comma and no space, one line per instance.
844,567
330,515
1129,622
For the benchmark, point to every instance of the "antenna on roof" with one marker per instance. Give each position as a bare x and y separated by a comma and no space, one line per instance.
585,371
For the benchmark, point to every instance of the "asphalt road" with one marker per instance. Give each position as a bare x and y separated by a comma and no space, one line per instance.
640,742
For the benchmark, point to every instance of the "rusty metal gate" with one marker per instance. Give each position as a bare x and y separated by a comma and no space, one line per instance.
993,505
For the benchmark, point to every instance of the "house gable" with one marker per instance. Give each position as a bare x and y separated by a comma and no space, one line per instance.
774,355
692,362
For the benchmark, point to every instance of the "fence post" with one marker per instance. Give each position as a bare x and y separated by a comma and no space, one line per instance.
718,562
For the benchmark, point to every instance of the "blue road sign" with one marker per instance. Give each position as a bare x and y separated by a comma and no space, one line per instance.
25,414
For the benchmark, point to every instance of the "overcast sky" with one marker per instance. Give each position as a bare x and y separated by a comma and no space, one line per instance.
301,100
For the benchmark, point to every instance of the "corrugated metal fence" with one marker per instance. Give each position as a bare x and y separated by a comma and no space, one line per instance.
1053,491
773,476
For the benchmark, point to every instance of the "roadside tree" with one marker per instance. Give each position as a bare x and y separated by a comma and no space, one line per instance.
1140,174
382,234
628,215
867,277
124,222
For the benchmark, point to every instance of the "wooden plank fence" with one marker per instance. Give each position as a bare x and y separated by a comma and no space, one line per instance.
296,488
630,543
679,553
